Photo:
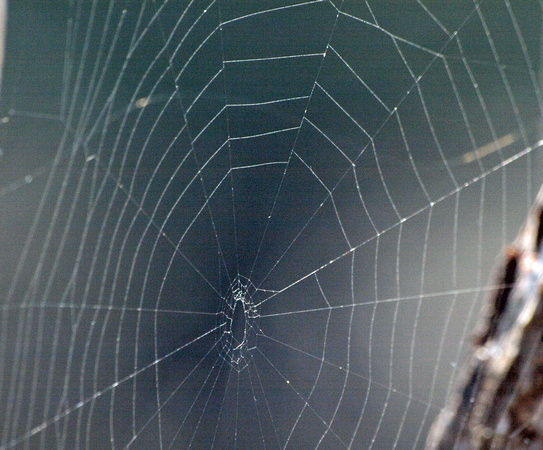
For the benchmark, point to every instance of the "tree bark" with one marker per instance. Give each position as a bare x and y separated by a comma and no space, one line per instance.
499,401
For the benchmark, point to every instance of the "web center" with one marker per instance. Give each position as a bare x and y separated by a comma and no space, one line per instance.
238,316
239,324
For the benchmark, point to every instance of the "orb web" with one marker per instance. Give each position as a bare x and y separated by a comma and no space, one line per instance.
254,224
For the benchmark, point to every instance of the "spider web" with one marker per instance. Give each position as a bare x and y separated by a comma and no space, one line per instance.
254,224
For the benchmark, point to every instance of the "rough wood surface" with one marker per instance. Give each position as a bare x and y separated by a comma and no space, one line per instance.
499,401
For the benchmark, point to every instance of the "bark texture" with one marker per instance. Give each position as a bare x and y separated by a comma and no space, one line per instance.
499,401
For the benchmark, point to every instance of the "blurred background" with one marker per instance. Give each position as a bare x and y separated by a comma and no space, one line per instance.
254,224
